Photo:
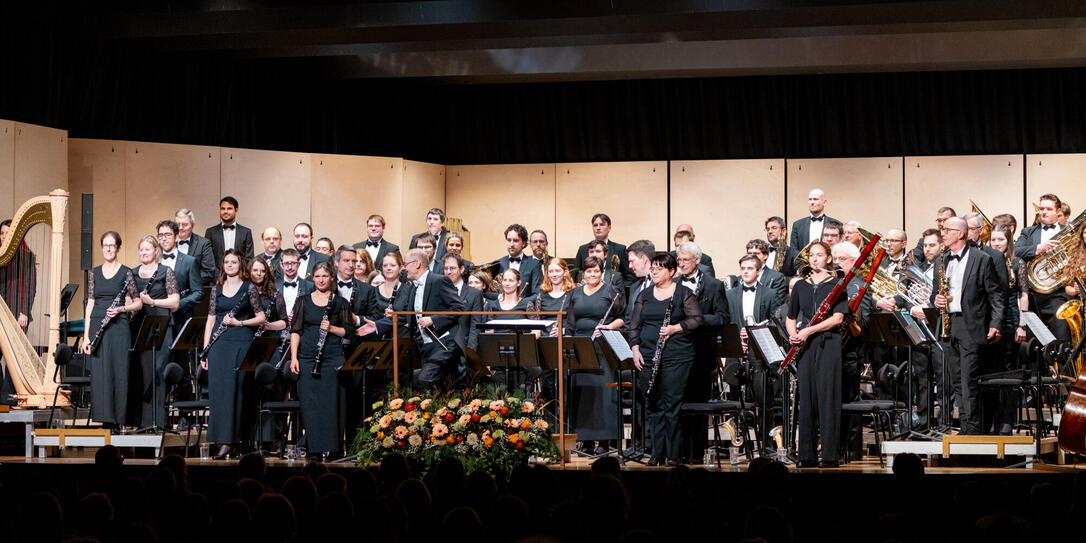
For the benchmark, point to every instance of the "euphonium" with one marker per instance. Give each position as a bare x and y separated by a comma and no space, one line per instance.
782,251
1070,311
616,263
919,287
1045,273
731,426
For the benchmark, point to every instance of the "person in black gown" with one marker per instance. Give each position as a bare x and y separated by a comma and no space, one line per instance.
322,312
109,362
596,305
275,325
234,312
159,295
819,365
647,327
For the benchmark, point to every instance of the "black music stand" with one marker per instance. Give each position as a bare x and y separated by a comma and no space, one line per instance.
899,330
1043,346
519,347
151,335
927,325
191,338
616,351
366,356
764,347
578,354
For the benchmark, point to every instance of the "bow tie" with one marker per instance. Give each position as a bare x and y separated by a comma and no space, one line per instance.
228,227
373,243
168,257
303,256
1049,226
750,289
772,249
818,218
185,241
689,279
291,284
957,257
345,284
515,259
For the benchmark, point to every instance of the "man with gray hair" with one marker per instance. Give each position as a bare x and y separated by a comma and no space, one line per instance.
845,255
714,309
850,232
195,245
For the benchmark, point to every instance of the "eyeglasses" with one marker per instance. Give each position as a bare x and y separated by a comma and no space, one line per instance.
288,263
165,235
951,230
895,240
410,262
655,269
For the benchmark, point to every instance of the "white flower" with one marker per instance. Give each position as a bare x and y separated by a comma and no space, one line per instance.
415,440
387,443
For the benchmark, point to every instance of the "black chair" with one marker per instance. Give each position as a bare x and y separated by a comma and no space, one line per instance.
281,403
173,376
718,411
879,411
1025,384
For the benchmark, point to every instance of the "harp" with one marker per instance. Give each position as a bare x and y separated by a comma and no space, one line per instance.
32,374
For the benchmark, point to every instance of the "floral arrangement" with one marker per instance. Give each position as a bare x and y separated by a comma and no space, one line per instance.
487,429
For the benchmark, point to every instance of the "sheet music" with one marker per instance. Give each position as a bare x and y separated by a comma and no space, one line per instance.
767,344
1033,322
520,322
618,344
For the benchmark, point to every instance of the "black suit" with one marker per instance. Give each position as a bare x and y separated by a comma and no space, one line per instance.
383,249
199,248
243,242
705,265
272,260
1045,305
801,232
788,267
635,290
189,285
612,249
439,249
438,362
763,304
776,282
982,308
306,264
531,273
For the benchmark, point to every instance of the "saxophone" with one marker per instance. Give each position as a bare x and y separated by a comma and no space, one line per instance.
944,291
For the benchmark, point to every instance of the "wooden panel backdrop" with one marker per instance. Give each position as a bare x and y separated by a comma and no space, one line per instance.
423,190
630,193
347,189
272,188
994,182
727,203
491,197
40,166
1061,175
867,190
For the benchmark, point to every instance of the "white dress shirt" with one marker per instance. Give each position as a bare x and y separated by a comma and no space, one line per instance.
229,236
290,294
516,265
373,251
1051,232
186,246
955,274
420,291
748,302
815,233
305,263
170,263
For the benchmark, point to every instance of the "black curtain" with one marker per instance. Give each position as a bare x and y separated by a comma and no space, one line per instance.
64,76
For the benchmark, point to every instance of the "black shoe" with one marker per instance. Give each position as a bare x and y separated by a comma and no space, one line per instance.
655,461
831,464
224,452
807,464
671,462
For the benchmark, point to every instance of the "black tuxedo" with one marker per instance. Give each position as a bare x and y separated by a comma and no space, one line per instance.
306,265
982,308
190,285
776,282
635,290
788,267
363,300
472,299
763,304
383,249
243,242
199,248
272,260
612,249
801,231
438,362
531,273
439,249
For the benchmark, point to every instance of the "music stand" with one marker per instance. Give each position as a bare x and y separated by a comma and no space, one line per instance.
618,354
366,355
578,354
763,346
151,335
260,351
520,346
1044,344
191,338
476,367
898,329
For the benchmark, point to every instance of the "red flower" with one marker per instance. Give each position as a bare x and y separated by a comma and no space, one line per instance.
475,417
459,439
518,445
409,407
401,444
449,417
504,410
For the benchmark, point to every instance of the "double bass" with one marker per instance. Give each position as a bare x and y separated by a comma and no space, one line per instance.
1072,430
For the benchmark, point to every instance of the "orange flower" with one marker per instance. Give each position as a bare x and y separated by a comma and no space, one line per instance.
488,442
513,438
450,440
541,424
426,415
380,436
493,414
526,424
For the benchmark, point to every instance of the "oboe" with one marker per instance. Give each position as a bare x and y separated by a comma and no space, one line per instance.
322,336
107,319
659,349
614,298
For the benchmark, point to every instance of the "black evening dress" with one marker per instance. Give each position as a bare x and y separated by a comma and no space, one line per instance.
152,395
594,404
109,362
319,396
225,381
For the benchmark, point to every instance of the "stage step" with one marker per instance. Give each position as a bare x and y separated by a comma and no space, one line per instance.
62,438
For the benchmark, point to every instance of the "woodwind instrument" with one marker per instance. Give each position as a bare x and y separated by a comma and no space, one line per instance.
944,291
656,356
106,320
218,330
322,336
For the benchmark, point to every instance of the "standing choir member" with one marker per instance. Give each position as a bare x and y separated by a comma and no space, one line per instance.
391,267
975,304
376,246
595,405
159,295
528,268
229,234
820,364
109,363
272,239
601,231
321,310
647,328
235,307
809,229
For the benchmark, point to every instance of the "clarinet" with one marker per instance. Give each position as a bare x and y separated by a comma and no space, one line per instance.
284,339
322,337
107,319
218,330
659,349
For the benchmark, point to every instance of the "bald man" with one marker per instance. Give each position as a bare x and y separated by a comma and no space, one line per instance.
896,242
685,233
809,228
272,239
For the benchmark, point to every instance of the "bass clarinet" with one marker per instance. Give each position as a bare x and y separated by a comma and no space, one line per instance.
322,336
659,349
107,319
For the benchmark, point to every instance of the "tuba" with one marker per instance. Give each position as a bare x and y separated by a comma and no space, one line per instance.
986,232
1071,311
1045,273
782,250
31,375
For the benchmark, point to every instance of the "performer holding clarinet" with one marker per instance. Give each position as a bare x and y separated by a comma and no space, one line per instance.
663,317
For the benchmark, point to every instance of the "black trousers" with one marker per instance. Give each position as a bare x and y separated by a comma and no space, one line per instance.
820,397
663,405
963,361
924,370
438,363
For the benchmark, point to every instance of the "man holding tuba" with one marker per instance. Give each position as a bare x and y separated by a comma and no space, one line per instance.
1040,242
